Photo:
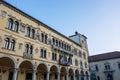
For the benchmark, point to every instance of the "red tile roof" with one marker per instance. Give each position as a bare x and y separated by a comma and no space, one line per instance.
104,56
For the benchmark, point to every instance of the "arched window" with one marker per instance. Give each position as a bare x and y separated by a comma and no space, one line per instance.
59,43
46,39
28,31
26,48
33,33
10,23
53,41
6,43
42,35
12,45
81,64
31,49
56,42
16,26
44,53
41,53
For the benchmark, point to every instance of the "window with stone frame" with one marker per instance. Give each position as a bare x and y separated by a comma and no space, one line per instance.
30,32
6,43
10,23
46,39
9,44
43,53
54,56
12,44
28,49
13,25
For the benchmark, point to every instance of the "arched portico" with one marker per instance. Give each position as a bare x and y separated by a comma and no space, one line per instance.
71,74
82,75
87,75
76,75
54,73
25,71
63,73
42,71
7,66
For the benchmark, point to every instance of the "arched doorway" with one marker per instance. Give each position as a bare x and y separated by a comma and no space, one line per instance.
53,73
71,74
76,75
63,73
82,75
42,72
7,66
25,71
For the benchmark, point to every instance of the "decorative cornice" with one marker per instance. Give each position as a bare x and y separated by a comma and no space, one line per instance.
34,19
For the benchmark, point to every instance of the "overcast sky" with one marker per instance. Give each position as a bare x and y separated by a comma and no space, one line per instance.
98,20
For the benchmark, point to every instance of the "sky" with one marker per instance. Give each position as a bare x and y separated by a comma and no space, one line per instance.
98,20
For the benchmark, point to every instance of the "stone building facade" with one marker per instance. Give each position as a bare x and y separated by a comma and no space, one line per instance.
105,66
31,50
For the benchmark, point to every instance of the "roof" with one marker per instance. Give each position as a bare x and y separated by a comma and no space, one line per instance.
35,20
104,56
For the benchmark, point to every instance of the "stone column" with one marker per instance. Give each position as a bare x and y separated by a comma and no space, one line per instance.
15,74
48,76
34,75
67,76
74,77
58,76
79,77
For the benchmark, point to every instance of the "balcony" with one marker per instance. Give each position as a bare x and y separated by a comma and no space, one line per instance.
27,56
61,49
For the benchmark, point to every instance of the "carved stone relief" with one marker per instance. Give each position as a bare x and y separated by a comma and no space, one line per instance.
3,14
20,45
38,35
22,28
36,50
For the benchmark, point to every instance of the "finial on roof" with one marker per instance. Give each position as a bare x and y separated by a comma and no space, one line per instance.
76,32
